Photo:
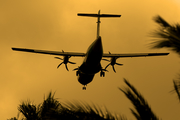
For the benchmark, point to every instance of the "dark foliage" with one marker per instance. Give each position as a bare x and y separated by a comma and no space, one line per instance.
14,118
176,84
142,109
29,110
166,35
52,109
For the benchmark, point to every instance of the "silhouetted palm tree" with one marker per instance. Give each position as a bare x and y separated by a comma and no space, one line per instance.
51,109
29,111
142,110
168,36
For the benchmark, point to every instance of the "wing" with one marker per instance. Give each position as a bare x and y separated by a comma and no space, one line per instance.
134,55
50,52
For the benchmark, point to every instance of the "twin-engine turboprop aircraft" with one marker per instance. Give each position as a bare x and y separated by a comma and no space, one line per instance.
92,58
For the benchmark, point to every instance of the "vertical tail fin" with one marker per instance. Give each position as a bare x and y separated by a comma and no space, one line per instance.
98,18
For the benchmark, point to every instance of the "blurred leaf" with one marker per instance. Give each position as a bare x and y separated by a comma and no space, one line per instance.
51,109
166,35
142,110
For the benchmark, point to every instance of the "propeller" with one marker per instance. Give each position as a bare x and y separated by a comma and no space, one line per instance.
65,61
112,62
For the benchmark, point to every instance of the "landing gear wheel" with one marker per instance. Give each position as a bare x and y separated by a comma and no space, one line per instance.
84,88
77,73
102,74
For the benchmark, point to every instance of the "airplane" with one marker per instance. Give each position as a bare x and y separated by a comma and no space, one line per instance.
92,58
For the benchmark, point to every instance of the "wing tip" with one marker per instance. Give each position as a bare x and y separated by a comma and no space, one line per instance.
23,49
157,54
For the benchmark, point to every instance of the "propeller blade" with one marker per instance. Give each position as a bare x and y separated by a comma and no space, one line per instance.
75,69
105,70
113,68
106,60
118,64
107,65
58,58
71,62
66,67
59,65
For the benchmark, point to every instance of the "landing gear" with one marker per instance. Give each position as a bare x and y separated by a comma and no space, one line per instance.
102,74
84,88
77,73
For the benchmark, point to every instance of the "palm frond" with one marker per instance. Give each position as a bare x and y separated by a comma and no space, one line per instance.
137,116
176,85
166,35
14,118
158,19
169,37
84,110
29,110
143,110
52,109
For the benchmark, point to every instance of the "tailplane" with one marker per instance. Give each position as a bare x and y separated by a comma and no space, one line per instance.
98,16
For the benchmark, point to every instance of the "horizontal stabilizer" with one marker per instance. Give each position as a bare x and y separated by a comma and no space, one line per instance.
97,15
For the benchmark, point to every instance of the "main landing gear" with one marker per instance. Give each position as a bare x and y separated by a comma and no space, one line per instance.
102,74
77,73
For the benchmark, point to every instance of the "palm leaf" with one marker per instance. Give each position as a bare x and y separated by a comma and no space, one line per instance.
86,111
51,109
176,84
142,110
14,118
166,35
29,110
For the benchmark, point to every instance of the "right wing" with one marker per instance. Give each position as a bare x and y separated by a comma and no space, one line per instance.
134,55
50,52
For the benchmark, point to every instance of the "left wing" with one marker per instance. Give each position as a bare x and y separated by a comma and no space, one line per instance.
50,52
134,55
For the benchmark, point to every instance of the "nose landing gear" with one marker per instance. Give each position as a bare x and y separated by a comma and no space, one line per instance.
84,88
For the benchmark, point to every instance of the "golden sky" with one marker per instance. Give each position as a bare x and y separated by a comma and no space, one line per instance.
54,25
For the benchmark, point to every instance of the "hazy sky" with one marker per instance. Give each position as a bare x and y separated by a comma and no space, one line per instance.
54,25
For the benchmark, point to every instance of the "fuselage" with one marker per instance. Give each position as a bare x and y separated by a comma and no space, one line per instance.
91,63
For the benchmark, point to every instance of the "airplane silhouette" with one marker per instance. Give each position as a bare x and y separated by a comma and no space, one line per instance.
92,58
